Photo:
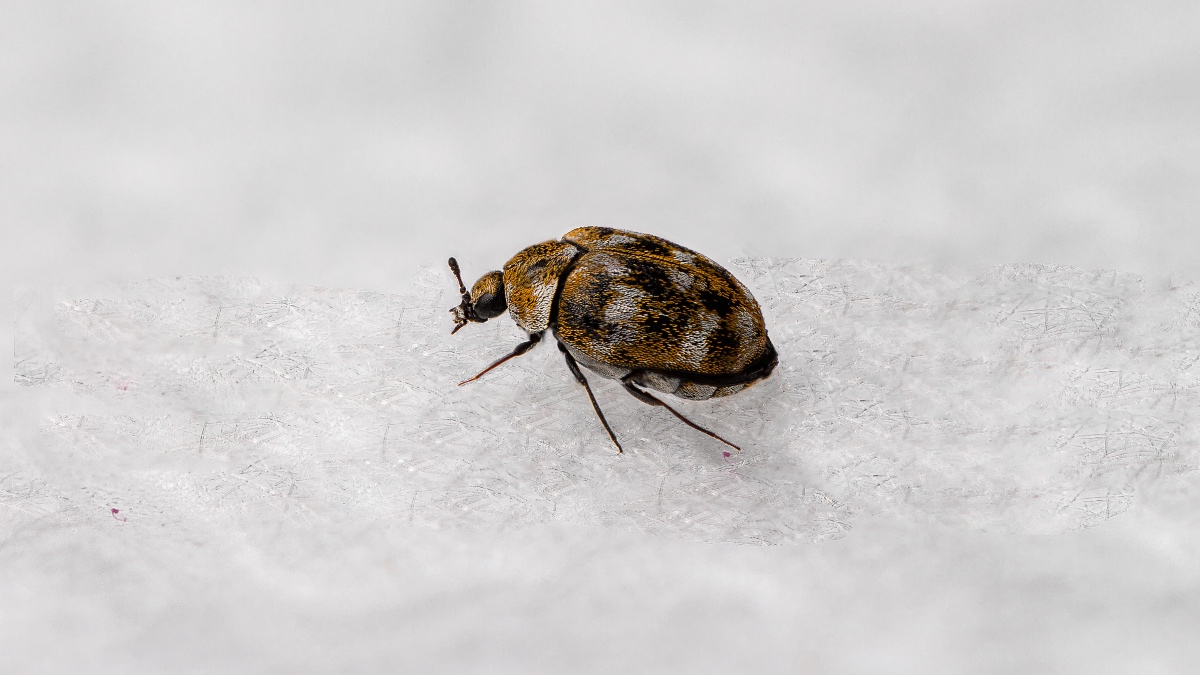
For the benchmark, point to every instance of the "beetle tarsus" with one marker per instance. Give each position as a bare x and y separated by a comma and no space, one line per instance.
646,397
595,406
517,351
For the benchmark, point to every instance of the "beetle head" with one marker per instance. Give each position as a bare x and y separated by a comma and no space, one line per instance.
485,301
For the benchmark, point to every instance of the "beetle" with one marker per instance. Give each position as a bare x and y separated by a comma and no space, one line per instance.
630,307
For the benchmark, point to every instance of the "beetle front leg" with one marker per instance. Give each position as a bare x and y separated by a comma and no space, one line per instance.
517,351
645,397
583,380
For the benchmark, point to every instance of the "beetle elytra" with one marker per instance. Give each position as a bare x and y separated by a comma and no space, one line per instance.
630,307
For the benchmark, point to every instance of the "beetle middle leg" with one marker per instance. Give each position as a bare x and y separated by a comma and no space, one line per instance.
645,397
517,351
583,380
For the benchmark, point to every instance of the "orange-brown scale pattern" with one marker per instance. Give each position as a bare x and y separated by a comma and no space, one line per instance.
531,280
640,302
489,284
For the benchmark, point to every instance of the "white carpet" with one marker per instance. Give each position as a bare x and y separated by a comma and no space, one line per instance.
992,473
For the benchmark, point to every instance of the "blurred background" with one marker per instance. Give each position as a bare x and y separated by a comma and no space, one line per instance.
349,143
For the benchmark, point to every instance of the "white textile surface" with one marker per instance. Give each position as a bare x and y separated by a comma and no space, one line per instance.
948,472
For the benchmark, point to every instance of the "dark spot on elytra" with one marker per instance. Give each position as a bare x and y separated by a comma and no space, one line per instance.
716,301
595,289
723,344
651,248
664,325
584,307
581,313
647,276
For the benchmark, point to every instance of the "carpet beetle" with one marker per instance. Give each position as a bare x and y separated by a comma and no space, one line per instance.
630,307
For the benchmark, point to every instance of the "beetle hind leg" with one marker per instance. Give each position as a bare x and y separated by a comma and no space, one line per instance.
645,397
583,380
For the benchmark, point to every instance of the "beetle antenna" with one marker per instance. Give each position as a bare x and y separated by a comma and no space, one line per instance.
462,312
458,275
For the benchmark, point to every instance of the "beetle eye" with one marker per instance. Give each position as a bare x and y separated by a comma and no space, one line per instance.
487,295
490,306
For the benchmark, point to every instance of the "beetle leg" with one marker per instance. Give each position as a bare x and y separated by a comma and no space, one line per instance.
645,397
517,351
583,380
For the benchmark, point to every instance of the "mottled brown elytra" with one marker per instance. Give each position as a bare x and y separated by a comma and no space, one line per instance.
630,307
